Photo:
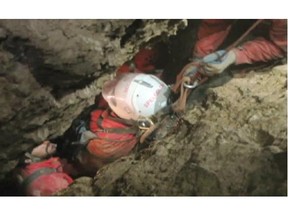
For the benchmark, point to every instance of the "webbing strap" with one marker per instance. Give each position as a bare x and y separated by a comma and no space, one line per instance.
176,86
180,104
119,130
42,171
100,121
123,121
133,128
148,132
105,114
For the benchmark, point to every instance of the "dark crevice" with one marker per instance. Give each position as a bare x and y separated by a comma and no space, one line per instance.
281,161
7,186
175,52
130,31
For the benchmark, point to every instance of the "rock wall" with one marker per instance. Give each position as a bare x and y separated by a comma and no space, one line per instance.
233,141
51,69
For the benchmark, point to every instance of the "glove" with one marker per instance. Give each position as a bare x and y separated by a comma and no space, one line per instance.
189,70
44,150
192,67
217,62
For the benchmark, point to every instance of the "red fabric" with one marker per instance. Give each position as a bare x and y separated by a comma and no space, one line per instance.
213,32
125,68
264,50
211,35
46,184
118,144
211,26
278,33
109,145
257,50
145,60
101,102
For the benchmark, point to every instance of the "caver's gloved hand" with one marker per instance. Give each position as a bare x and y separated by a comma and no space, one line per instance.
192,67
189,69
43,151
217,62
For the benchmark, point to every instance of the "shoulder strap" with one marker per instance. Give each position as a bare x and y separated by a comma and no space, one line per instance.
107,112
132,126
132,130
42,171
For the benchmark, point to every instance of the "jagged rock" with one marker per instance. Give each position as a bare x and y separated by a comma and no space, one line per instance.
232,140
80,187
50,70
222,148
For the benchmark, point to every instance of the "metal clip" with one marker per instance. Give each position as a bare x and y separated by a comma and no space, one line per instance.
145,123
196,80
194,85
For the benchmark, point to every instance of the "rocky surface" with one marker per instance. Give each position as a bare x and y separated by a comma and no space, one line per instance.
232,141
50,70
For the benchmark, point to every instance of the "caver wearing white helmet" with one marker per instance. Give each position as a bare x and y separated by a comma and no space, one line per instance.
136,95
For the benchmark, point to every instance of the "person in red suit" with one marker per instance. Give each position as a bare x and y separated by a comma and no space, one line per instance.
212,33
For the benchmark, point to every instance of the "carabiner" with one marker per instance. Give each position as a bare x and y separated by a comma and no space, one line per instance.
145,123
194,85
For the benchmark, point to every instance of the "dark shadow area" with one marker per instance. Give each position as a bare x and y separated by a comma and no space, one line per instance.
239,27
179,49
8,186
130,31
281,161
269,179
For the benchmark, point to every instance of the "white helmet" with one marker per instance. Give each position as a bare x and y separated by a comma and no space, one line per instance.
135,95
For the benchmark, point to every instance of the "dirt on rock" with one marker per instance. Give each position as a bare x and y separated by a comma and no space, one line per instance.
50,70
232,139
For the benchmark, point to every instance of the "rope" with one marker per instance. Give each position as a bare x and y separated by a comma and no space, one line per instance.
148,132
180,104
236,43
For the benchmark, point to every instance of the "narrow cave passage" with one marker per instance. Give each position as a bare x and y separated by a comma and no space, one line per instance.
226,133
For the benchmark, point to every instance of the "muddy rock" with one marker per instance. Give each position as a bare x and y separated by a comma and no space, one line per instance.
3,33
80,187
232,139
231,143
50,70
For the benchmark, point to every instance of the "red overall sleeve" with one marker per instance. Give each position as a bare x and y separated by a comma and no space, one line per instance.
210,36
262,50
